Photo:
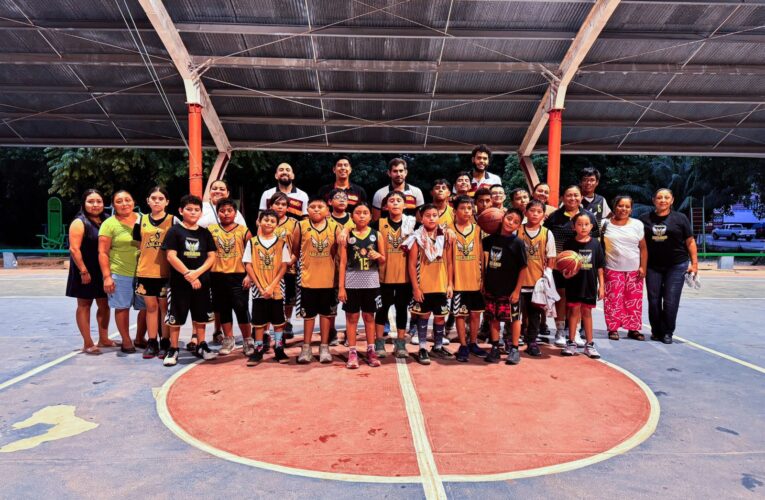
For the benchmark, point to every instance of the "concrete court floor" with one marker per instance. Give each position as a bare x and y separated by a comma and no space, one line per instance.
709,442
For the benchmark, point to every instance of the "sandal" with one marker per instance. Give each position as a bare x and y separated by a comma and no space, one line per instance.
92,351
128,350
191,346
108,343
140,344
635,335
613,335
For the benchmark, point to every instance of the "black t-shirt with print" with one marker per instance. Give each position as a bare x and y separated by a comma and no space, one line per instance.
584,284
192,246
507,258
665,237
559,222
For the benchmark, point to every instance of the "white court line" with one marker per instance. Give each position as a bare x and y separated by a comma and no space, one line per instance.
431,481
721,354
52,278
42,368
30,297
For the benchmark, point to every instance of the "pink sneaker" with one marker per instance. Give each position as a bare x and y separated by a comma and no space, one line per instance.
372,359
353,360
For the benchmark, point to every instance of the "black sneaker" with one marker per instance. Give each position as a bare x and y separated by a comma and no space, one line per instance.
256,357
217,338
266,342
422,357
463,353
533,349
203,351
441,353
513,356
667,339
288,332
280,356
191,346
477,351
493,356
171,359
657,338
152,349
164,347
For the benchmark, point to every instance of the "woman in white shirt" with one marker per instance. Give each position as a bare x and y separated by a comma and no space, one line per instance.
626,259
218,191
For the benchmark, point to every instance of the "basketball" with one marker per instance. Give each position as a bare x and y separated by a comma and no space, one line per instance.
568,262
490,220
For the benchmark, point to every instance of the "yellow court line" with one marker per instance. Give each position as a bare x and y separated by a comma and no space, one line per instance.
431,481
641,435
50,364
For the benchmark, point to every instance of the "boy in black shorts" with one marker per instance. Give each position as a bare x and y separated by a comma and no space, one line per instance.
190,253
266,258
504,258
586,287
429,265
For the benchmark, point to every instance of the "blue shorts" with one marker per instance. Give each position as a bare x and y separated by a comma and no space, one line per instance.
124,294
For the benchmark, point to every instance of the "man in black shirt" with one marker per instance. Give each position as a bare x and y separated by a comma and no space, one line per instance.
342,170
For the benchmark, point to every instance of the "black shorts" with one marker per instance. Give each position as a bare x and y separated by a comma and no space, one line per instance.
464,303
289,291
435,303
560,281
366,300
228,295
501,309
316,301
181,299
586,302
398,295
151,287
265,311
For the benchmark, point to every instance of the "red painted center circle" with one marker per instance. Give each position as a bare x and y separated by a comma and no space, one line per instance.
479,418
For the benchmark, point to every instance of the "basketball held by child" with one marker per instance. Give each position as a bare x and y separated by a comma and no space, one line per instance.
490,220
568,263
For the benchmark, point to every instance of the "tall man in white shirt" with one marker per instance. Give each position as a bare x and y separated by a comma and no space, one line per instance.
413,199
297,207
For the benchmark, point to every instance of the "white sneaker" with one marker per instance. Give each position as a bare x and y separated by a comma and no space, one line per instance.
227,345
415,340
445,341
324,355
560,338
249,346
579,341
171,359
591,351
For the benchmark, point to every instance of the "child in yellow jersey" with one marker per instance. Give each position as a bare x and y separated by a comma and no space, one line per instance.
430,269
540,255
467,301
441,191
279,203
153,270
338,203
359,280
314,242
266,258
395,288
228,278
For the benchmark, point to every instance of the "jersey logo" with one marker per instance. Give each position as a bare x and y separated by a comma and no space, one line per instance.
495,257
659,232
586,255
466,249
266,259
226,245
155,241
532,249
395,241
192,248
319,245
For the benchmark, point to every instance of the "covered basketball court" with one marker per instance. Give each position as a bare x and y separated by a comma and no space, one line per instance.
525,77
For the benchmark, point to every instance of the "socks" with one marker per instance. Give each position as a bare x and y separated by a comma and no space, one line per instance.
560,325
278,337
422,331
258,343
438,335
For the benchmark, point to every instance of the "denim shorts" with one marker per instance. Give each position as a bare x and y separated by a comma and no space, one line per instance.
124,294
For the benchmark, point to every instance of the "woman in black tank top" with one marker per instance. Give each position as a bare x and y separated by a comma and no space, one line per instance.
85,282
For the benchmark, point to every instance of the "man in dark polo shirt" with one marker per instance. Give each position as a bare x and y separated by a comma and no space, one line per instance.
297,207
413,199
342,170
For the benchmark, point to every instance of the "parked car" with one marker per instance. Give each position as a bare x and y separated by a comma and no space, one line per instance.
733,232
759,230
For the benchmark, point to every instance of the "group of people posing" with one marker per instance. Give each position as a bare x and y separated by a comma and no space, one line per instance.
307,254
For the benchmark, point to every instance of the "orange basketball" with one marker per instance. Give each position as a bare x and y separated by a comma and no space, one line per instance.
490,220
569,262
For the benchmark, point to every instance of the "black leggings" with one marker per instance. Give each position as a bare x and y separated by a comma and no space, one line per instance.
228,295
534,314
398,295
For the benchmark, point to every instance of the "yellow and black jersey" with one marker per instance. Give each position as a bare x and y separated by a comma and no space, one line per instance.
345,221
467,258
446,218
394,268
152,263
229,248
432,276
284,230
266,261
316,261
536,255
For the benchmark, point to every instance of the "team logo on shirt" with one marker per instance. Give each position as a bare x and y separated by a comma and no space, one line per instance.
395,241
659,232
266,260
320,246
466,250
495,257
586,255
192,248
227,247
155,241
532,249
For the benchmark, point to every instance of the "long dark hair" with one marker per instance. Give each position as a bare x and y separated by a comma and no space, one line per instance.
83,212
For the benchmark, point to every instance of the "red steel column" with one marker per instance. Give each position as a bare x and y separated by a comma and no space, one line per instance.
554,126
195,149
